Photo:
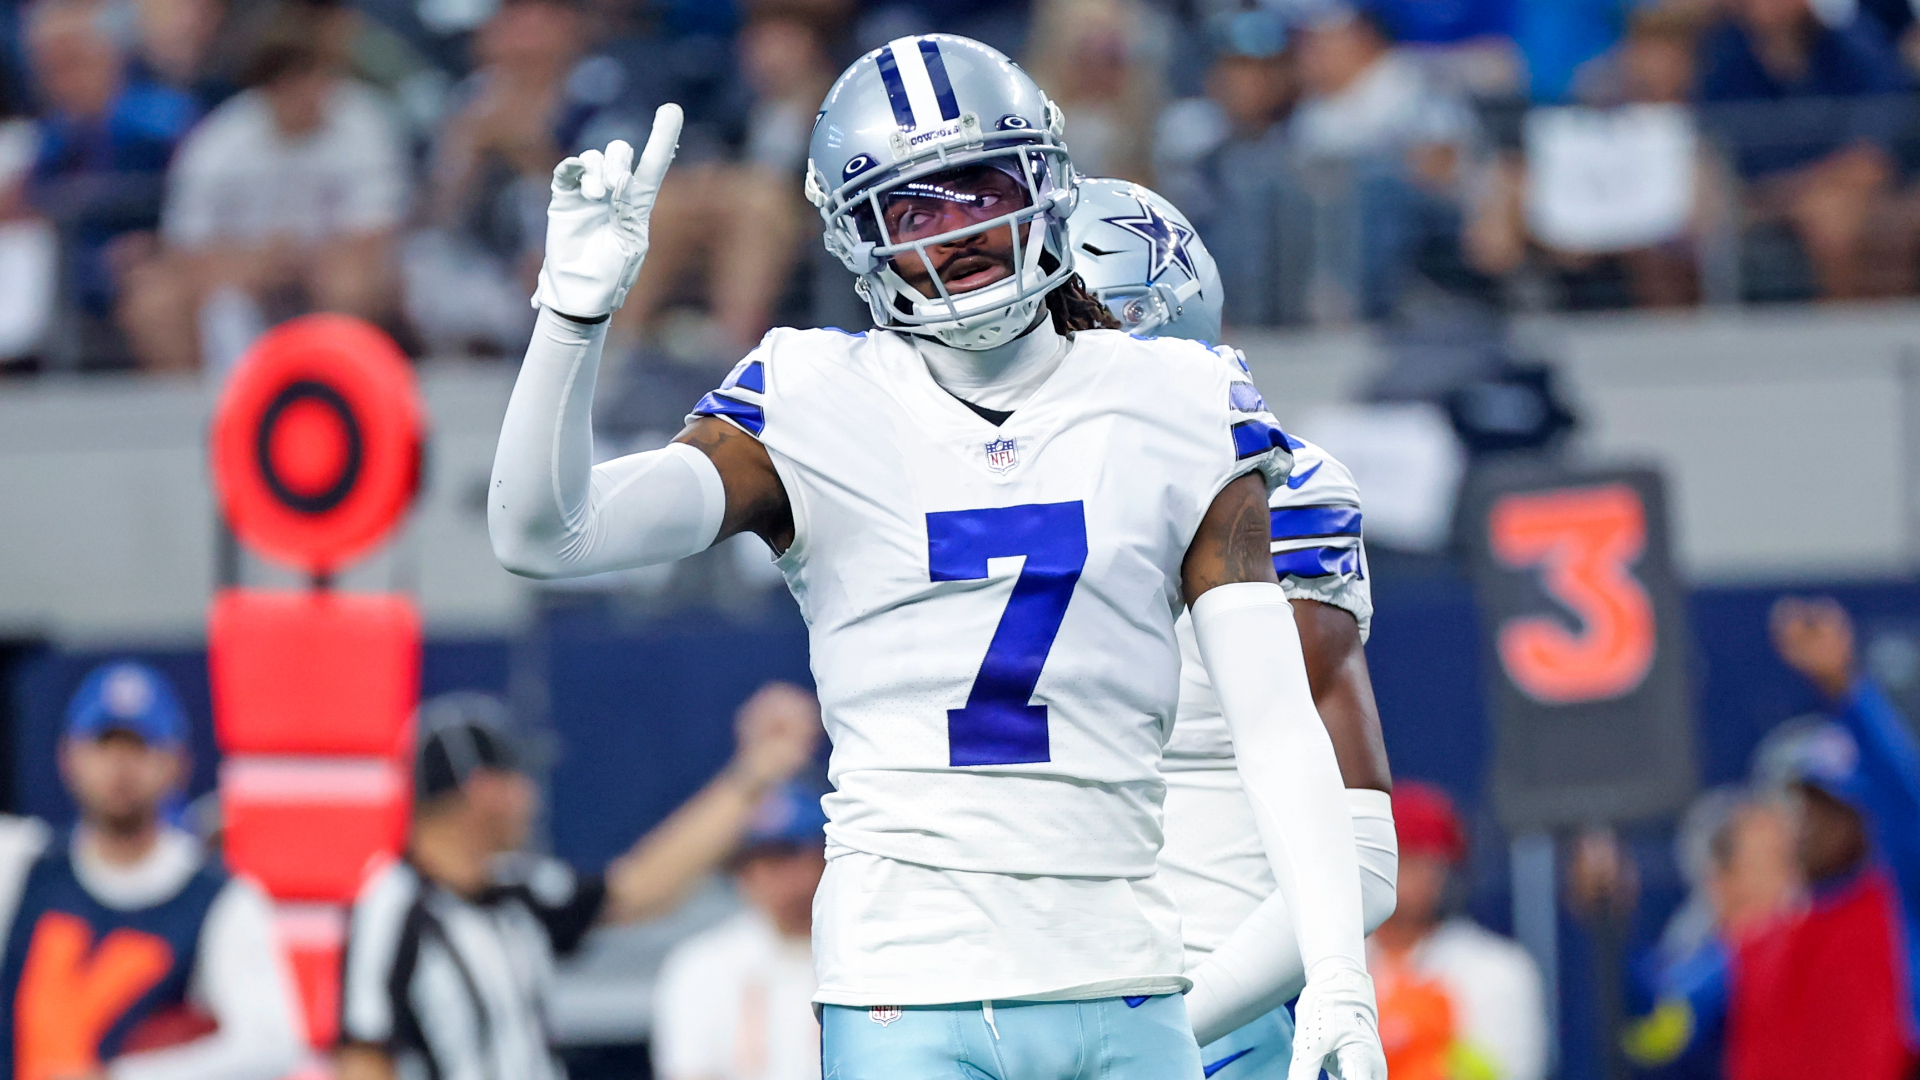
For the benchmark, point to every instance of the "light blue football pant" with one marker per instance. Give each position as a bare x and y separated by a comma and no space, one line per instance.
1104,1039
1260,1051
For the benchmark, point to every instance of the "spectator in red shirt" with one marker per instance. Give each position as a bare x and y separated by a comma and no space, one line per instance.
1829,991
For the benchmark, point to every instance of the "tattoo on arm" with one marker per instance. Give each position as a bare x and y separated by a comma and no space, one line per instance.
756,499
1233,543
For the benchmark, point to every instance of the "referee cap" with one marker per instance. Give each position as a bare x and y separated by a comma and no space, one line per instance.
459,733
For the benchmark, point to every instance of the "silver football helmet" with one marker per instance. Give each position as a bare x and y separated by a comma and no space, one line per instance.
1143,259
927,141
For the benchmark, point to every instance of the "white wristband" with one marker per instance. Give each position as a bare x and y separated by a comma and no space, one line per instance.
1257,969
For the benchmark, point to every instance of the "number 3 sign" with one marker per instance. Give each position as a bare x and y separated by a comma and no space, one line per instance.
1584,541
1585,636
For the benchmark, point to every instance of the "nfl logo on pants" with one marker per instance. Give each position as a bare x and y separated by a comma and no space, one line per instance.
1002,454
884,1014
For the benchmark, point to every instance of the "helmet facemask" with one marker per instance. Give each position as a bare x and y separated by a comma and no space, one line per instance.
1020,193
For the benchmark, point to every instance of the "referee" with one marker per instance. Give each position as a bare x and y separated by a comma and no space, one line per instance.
450,951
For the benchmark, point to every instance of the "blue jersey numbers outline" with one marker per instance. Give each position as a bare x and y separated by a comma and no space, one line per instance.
999,724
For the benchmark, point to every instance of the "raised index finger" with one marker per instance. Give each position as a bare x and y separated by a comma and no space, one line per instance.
661,145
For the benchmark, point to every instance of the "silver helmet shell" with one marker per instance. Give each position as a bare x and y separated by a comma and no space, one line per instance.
923,105
1141,256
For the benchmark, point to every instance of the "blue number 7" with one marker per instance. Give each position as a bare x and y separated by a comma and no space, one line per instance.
999,725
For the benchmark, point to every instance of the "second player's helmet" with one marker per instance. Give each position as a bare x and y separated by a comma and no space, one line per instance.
929,140
1143,259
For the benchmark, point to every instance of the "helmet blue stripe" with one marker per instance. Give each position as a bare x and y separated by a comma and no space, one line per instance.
897,90
937,74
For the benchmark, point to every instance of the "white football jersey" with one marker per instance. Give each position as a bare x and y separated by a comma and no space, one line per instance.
991,609
1213,861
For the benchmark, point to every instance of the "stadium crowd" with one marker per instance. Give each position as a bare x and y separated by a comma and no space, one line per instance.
177,175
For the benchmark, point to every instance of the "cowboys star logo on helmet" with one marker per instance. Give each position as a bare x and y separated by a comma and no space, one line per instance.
1141,257
1166,239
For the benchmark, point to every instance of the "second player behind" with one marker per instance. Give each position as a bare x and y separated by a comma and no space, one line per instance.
1143,260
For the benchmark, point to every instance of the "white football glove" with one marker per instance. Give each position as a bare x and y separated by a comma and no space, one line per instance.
1337,1027
597,222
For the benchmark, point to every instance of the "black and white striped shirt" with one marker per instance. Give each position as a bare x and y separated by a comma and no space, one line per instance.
455,988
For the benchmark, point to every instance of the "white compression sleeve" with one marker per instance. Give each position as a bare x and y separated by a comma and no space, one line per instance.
1251,649
551,512
1257,968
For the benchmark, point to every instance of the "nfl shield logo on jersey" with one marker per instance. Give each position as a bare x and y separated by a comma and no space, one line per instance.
1002,454
884,1014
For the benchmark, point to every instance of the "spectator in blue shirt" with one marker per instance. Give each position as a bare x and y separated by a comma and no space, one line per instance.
104,147
1804,109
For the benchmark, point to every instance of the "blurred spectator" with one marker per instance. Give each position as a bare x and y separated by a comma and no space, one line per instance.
104,144
29,248
1456,1000
785,66
1385,151
1097,59
177,40
1736,851
450,952
1612,200
129,953
1222,159
1830,992
1003,24
1804,109
1813,985
470,272
732,228
1558,36
1902,26
1467,45
736,1002
283,201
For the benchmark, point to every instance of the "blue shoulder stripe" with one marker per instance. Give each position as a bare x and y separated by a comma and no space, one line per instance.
751,377
1245,397
1252,437
751,417
1317,562
1300,522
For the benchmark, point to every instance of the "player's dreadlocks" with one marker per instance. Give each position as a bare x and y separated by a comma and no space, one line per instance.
1074,308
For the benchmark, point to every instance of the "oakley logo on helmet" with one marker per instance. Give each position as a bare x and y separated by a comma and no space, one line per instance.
1012,122
856,165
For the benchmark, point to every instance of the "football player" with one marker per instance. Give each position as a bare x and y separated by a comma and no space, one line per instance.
990,510
1141,258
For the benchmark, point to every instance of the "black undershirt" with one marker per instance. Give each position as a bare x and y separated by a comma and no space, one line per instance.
996,417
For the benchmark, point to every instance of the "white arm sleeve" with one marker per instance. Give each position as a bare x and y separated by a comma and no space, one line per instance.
551,512
1257,968
242,979
1251,649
